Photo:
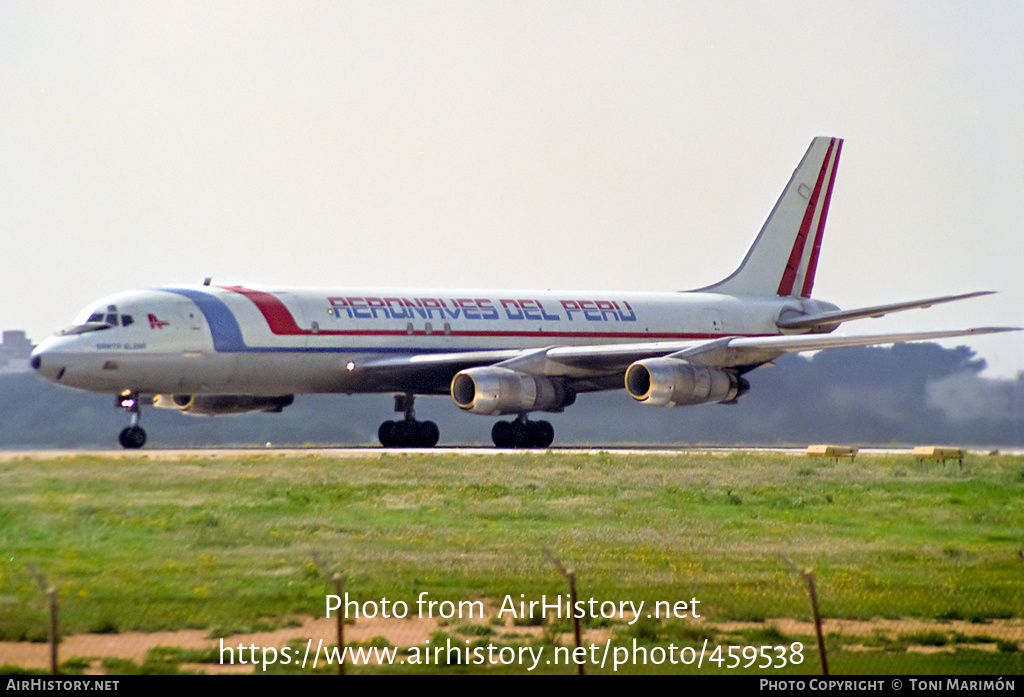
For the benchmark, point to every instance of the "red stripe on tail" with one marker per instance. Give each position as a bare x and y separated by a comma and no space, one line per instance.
797,253
812,264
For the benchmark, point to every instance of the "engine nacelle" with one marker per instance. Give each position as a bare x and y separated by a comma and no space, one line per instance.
495,391
213,405
669,382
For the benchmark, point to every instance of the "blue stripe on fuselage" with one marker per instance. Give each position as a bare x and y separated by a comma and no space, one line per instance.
227,335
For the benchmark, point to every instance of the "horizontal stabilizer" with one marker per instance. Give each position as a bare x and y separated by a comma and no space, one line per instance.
830,320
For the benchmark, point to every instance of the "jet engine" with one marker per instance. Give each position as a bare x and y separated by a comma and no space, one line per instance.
669,382
213,405
493,391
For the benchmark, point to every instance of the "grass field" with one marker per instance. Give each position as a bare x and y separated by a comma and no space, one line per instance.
227,543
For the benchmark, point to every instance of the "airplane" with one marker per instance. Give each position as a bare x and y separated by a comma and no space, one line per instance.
231,349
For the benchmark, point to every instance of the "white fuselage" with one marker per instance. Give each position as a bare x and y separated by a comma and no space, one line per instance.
234,340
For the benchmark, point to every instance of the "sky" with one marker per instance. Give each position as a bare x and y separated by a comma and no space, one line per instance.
593,145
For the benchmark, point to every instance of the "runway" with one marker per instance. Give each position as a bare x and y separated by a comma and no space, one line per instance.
370,452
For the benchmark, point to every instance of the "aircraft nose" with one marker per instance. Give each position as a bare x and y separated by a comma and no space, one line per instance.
44,362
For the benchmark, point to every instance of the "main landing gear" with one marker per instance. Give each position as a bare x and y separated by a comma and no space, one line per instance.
408,433
522,433
134,436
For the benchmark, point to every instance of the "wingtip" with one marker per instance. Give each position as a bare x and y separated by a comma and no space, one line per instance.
993,330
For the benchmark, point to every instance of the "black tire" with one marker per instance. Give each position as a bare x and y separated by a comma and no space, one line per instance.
408,434
542,434
386,434
404,434
428,434
501,434
521,432
132,437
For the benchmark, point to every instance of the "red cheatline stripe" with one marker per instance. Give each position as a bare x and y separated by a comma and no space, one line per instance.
277,315
789,275
812,265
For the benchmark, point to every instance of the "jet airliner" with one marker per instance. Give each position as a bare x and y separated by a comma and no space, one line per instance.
230,349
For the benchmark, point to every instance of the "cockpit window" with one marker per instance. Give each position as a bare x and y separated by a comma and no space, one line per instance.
84,328
98,321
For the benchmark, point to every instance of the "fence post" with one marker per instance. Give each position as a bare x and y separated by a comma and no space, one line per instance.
339,585
51,596
808,576
570,574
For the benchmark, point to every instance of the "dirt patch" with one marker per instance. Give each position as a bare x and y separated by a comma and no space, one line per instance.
134,645
1006,630
416,631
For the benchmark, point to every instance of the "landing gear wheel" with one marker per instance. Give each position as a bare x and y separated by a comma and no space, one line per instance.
386,434
522,434
132,437
429,434
408,434
404,434
501,434
542,434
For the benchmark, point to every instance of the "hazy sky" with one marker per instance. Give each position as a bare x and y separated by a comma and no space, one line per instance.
580,145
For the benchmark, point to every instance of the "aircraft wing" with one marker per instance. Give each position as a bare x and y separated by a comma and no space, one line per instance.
426,373
592,365
746,351
830,320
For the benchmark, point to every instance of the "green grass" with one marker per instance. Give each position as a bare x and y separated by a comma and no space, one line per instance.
226,543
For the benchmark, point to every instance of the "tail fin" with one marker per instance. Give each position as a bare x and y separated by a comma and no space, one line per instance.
784,256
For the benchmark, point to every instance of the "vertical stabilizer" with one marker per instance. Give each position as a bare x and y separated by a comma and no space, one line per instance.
783,258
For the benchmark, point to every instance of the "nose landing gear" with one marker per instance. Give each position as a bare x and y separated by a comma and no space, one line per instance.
134,436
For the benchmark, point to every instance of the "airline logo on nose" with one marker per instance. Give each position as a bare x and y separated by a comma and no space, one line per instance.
155,323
